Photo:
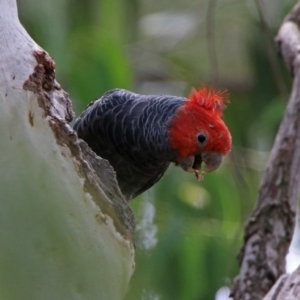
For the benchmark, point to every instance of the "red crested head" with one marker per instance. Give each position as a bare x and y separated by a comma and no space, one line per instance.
198,127
210,100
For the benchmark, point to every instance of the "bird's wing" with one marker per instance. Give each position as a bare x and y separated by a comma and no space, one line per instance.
130,131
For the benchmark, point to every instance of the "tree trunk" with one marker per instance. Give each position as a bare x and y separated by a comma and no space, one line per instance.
65,230
270,227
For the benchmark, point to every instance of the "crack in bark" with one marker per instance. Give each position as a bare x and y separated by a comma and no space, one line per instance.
99,177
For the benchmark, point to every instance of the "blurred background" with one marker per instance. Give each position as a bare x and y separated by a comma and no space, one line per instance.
188,233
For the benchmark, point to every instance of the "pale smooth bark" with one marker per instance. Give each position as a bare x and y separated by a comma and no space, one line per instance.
65,230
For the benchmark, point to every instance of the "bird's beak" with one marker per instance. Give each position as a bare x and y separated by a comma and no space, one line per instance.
187,164
212,161
193,163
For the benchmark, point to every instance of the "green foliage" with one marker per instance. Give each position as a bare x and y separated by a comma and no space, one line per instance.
99,45
86,39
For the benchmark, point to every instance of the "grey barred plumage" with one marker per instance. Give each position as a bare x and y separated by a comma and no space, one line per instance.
131,132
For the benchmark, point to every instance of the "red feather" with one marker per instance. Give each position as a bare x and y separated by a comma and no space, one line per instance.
210,99
201,113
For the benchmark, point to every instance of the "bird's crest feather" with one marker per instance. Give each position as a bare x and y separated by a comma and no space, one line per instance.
210,99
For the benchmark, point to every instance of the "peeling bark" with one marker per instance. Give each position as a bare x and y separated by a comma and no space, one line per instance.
65,229
271,225
58,109
287,287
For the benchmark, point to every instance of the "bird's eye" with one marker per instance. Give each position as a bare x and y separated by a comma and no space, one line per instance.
201,138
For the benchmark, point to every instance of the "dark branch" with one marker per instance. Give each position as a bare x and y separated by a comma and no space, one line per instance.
271,225
211,43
